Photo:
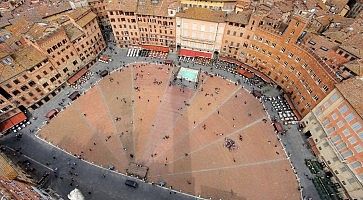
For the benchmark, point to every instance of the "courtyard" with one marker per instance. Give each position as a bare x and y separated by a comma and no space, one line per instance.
136,115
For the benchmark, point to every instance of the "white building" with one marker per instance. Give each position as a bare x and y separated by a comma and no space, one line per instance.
199,32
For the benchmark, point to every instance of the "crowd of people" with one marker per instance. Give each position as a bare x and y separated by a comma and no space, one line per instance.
230,144
197,60
82,80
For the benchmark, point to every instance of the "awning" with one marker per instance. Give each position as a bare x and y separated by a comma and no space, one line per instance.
51,113
105,57
77,76
245,73
297,114
156,48
230,60
313,147
191,53
263,76
168,62
12,121
278,127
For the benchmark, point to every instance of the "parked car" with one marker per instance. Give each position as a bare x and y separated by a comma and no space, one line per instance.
131,183
74,95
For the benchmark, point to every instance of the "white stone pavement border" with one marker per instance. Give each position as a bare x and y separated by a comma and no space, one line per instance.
112,171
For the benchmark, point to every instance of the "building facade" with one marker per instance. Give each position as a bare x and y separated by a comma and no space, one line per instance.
200,29
143,23
335,125
49,53
99,8
274,49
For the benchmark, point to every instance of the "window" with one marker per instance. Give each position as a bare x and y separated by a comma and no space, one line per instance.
16,81
45,85
24,88
324,48
334,97
325,88
343,109
16,92
356,164
334,116
358,148
336,139
352,140
349,117
347,154
341,146
330,130
356,126
8,85
346,132
326,122
361,135
312,42
340,124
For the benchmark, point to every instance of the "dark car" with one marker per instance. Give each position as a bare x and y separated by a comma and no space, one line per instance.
131,183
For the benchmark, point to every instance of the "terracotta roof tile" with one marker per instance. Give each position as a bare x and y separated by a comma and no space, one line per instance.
72,31
240,17
202,14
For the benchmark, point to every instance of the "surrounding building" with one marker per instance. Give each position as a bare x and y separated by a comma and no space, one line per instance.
148,23
275,49
307,48
356,6
199,32
78,4
10,5
38,59
221,5
335,126
16,184
99,8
